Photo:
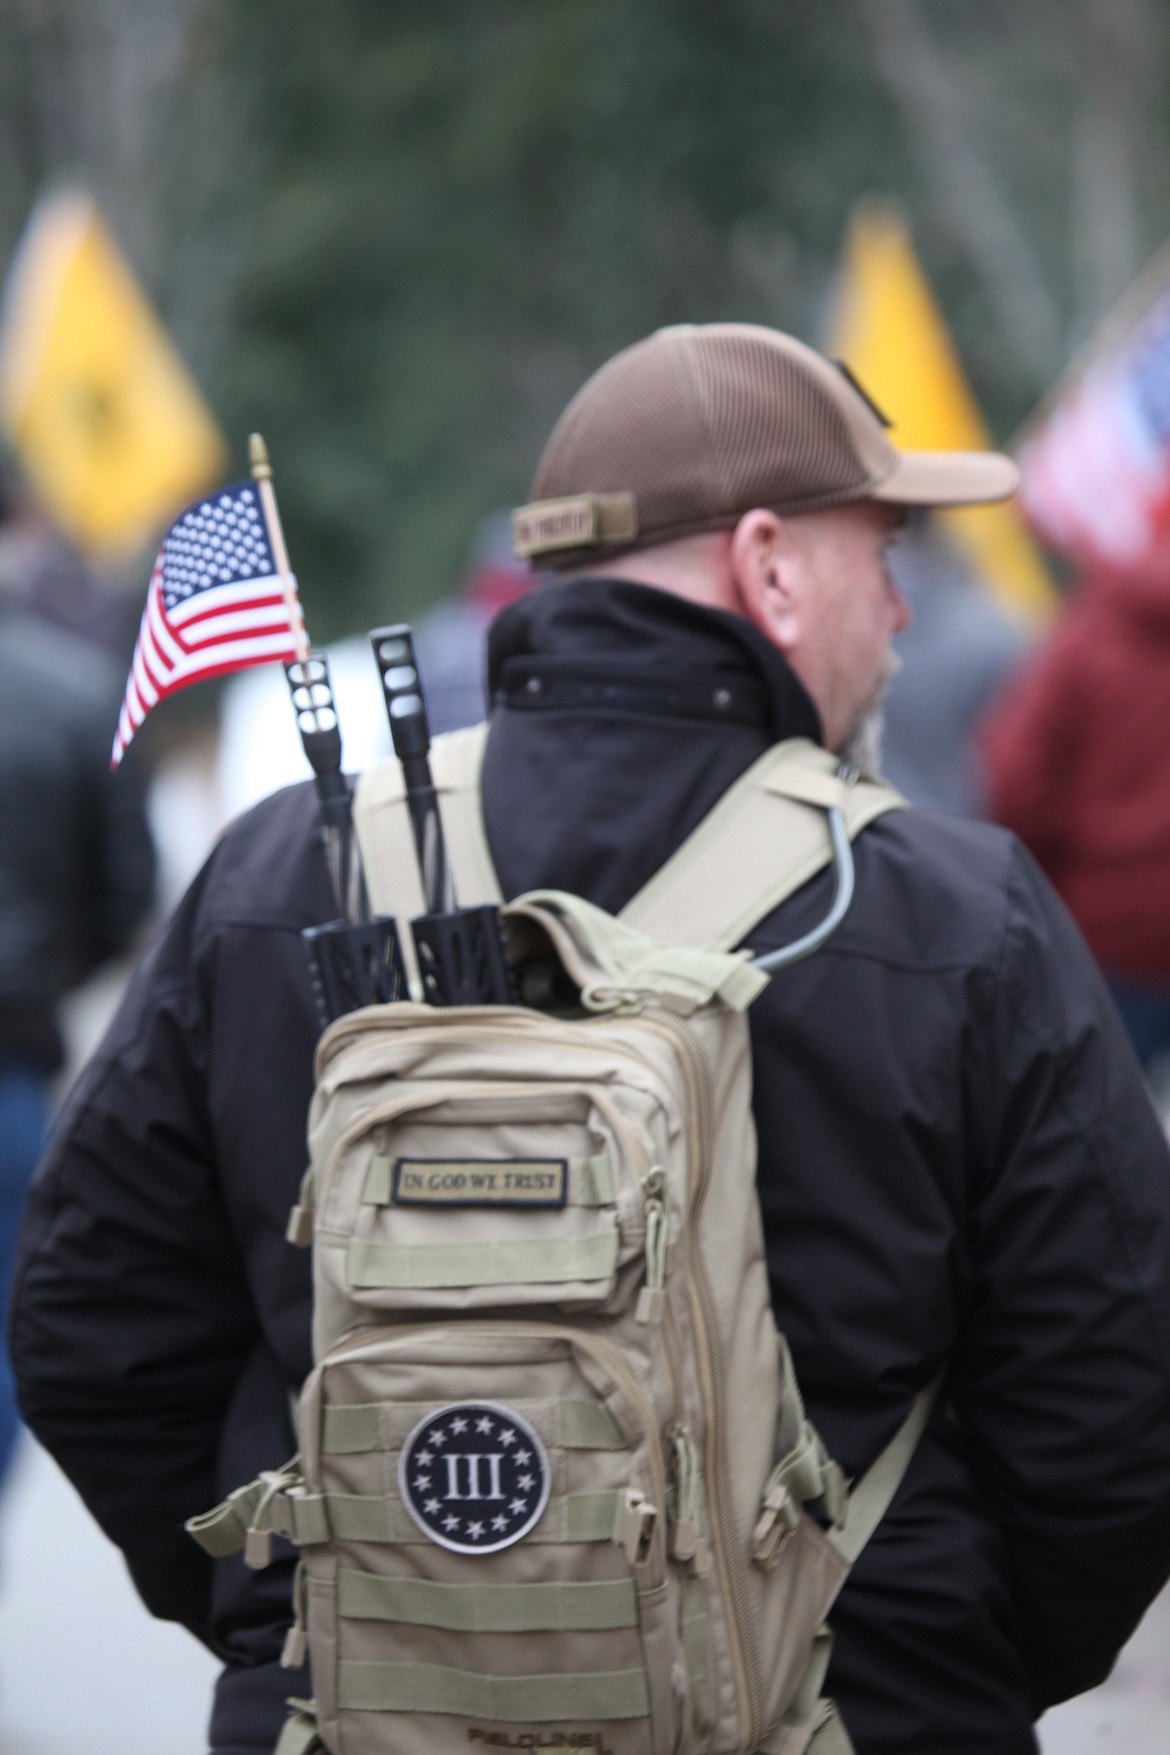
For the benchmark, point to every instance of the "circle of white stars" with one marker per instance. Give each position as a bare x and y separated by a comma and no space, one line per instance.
435,1458
221,540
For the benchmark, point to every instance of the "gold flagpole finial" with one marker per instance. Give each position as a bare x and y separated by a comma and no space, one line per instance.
258,458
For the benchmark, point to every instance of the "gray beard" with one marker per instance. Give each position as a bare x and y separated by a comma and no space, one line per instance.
862,747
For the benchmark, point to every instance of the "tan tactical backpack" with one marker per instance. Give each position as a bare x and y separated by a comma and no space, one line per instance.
554,1466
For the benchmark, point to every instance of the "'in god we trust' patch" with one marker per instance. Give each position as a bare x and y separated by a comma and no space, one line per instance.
474,1476
480,1182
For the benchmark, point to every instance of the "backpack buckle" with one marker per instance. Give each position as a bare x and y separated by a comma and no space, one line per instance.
263,1524
777,1524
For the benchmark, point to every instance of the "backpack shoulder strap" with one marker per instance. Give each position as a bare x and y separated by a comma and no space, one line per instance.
765,838
386,841
871,1496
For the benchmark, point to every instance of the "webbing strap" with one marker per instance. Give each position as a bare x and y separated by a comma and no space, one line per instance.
590,1182
601,1694
695,1649
504,1262
589,1426
299,1735
870,1499
359,1517
224,1529
561,1607
312,1518
590,1517
830,1736
766,837
809,1472
348,1428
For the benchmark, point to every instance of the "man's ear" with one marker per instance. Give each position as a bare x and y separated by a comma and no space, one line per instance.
766,577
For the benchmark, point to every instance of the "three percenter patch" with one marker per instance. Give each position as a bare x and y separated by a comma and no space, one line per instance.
474,1476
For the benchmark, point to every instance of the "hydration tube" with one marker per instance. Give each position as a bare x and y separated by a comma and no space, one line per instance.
845,882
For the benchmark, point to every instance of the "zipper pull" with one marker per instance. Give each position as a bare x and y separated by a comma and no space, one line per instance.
687,1541
776,1525
299,1231
652,1297
296,1642
637,1520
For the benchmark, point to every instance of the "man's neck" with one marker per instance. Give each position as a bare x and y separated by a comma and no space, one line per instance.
695,568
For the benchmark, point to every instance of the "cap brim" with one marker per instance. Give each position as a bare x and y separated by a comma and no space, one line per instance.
948,478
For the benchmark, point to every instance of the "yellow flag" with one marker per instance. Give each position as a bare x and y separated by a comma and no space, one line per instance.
104,417
890,332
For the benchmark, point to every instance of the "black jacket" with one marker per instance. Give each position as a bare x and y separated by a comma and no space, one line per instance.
959,1165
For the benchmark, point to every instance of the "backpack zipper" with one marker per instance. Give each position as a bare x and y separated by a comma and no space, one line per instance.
729,1560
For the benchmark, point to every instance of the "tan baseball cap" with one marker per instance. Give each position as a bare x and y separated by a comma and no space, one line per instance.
691,428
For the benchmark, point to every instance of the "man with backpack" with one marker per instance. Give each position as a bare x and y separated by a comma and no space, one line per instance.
961,1178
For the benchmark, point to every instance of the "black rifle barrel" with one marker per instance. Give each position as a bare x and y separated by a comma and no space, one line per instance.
316,714
354,961
410,731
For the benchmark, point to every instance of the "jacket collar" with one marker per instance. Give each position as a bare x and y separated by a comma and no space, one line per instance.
640,632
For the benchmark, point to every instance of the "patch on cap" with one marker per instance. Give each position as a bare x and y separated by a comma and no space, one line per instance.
576,521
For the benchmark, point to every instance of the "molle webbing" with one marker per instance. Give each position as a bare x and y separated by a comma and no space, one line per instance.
559,1607
313,1518
507,1262
352,1517
567,1424
607,1694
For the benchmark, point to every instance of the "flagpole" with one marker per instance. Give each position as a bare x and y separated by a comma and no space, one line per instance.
316,712
262,476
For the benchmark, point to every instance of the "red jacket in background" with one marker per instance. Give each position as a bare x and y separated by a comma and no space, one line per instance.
1077,752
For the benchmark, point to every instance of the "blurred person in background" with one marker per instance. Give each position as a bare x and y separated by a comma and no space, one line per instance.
1077,760
48,577
955,656
76,858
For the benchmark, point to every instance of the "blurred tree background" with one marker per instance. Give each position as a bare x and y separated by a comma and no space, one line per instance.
395,238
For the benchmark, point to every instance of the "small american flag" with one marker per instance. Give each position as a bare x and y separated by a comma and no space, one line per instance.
215,604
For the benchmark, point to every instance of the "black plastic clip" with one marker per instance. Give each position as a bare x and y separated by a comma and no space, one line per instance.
461,958
354,965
